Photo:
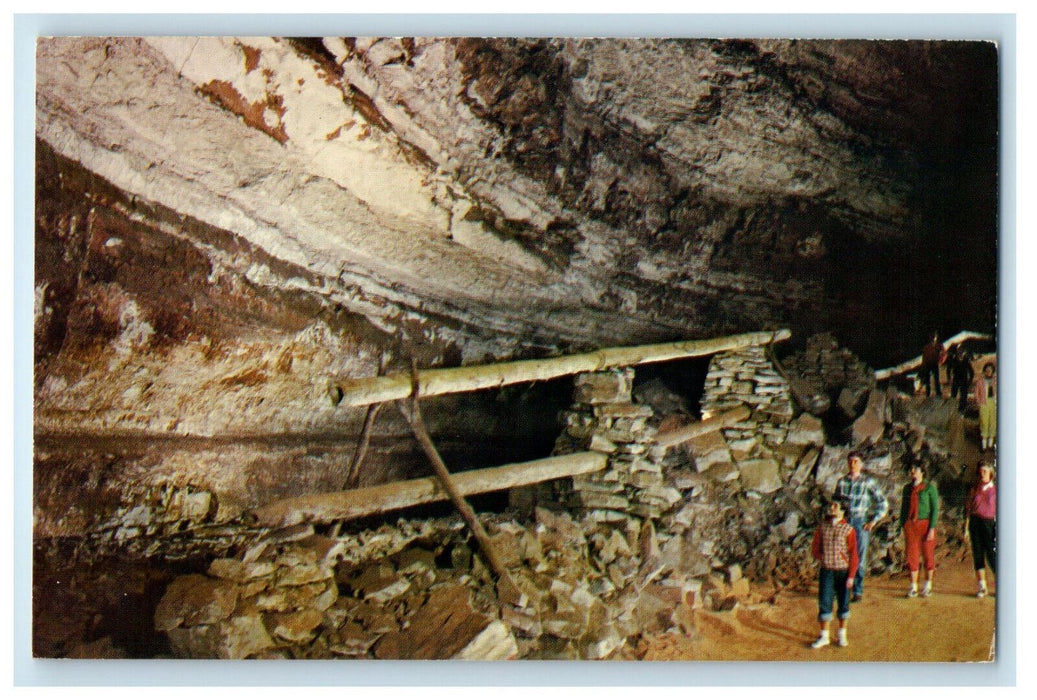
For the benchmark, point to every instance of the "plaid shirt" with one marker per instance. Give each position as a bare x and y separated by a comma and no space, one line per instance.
835,546
864,497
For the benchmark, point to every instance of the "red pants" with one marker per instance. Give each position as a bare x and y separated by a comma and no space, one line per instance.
916,544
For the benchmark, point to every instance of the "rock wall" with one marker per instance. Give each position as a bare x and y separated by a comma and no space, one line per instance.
223,223
603,418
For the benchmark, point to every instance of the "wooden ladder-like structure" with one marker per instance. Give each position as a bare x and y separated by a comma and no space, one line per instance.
407,390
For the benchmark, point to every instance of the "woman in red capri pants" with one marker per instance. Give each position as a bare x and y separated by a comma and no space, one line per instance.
919,512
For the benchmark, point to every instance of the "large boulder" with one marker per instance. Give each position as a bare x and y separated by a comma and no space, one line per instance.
806,430
871,424
760,475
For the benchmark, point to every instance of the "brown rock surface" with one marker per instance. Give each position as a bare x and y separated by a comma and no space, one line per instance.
441,628
195,600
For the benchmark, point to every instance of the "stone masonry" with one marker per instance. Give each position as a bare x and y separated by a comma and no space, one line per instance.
754,450
603,418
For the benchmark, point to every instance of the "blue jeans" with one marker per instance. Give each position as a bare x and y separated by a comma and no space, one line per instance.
862,553
832,584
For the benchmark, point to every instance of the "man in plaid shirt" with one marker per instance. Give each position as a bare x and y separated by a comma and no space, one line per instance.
866,506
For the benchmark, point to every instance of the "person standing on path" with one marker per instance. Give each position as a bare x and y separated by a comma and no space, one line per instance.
919,513
866,506
959,367
984,390
835,546
932,356
981,525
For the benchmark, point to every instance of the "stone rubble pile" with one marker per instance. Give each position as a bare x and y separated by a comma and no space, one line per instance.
297,594
577,589
604,560
747,489
583,588
241,606
625,552
178,521
826,377
745,494
735,495
163,510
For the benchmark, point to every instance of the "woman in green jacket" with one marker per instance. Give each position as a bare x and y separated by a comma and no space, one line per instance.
919,512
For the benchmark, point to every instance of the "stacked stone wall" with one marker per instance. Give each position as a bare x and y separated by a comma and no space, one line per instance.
603,418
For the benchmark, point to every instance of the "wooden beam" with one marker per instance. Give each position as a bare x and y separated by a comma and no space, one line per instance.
435,382
688,432
357,503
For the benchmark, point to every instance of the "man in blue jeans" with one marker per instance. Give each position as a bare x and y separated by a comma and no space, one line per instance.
866,505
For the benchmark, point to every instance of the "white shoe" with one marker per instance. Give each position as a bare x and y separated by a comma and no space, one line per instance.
982,592
926,592
912,593
821,641
843,641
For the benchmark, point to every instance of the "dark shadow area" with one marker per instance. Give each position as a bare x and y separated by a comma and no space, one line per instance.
100,608
517,423
490,428
674,386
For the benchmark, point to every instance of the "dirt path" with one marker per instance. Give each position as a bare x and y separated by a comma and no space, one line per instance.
952,625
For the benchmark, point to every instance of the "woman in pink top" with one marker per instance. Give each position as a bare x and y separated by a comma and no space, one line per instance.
981,510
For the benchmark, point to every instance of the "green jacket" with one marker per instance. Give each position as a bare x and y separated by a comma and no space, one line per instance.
928,504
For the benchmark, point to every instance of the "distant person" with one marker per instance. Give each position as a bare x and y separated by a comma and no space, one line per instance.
835,546
981,525
960,373
932,356
919,513
984,390
866,505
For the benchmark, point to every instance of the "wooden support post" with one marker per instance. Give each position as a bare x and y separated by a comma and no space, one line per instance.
352,476
688,432
361,448
358,503
412,412
434,382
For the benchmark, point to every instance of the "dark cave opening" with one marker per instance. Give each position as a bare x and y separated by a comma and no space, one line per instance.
660,383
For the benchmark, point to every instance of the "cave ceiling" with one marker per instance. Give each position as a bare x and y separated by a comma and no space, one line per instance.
248,213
